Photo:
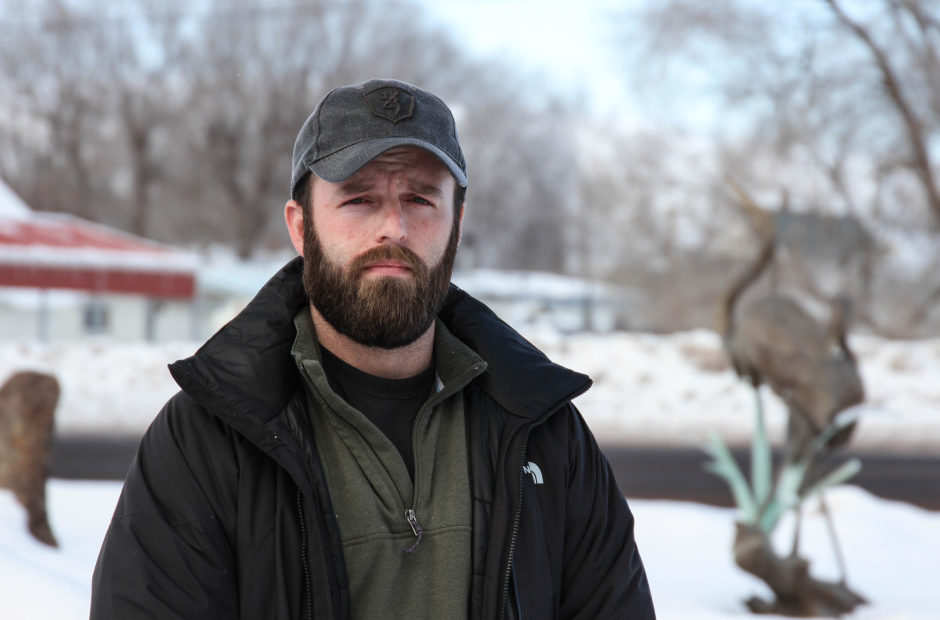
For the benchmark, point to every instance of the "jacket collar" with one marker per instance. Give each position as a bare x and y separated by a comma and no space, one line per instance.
245,372
520,377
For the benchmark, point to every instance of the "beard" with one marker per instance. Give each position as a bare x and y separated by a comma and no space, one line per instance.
386,312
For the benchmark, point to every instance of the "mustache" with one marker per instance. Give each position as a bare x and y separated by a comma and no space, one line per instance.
388,252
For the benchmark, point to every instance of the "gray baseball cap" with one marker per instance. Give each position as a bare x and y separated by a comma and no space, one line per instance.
353,124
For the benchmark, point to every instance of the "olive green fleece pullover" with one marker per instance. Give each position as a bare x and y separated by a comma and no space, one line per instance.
406,544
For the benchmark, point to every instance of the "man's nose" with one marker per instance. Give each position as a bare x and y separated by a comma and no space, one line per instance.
393,226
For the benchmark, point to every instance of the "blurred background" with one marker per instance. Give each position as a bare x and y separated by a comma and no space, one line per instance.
600,135
145,161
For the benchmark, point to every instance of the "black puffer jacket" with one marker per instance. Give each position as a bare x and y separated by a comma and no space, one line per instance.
225,512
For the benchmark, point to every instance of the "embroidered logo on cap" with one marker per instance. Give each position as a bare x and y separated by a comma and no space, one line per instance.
392,104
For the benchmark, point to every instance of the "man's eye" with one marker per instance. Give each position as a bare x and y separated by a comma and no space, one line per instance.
421,201
355,201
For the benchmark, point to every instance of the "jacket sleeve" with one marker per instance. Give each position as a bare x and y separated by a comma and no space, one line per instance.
166,553
603,575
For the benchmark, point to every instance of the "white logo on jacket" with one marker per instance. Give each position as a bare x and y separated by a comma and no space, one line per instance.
533,470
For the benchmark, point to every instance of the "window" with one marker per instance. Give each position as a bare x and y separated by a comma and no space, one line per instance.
96,317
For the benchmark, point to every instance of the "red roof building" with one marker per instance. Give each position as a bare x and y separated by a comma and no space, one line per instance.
58,251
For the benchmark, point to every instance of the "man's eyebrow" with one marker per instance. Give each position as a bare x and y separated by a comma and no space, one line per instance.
355,186
424,188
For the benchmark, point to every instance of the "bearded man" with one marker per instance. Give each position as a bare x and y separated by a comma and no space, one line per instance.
366,440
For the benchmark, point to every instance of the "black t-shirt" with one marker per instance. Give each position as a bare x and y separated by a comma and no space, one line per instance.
390,404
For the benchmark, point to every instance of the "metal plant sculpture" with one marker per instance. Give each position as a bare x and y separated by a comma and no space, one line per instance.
774,341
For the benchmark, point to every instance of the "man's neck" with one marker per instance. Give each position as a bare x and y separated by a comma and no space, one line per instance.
400,363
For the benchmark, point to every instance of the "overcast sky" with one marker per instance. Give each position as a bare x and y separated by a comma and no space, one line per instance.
569,43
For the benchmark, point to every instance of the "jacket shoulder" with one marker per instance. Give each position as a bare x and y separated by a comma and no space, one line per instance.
185,468
188,426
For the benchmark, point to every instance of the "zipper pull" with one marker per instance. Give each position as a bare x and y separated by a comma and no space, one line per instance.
415,527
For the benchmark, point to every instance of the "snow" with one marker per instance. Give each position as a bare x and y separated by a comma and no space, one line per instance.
143,260
525,284
892,552
673,389
57,239
12,206
41,582
676,389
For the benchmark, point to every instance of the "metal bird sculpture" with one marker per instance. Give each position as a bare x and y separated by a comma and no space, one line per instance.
774,341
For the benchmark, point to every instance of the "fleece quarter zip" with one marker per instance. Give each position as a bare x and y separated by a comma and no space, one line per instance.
406,544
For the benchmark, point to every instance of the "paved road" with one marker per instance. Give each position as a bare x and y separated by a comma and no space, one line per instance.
642,472
665,473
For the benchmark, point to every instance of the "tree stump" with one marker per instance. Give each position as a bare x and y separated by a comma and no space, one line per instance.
797,592
27,410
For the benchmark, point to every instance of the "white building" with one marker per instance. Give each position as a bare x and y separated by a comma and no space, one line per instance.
62,277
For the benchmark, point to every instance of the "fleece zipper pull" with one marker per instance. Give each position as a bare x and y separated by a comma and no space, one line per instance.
415,527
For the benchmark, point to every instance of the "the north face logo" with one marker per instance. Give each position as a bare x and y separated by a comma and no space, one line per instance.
533,470
392,104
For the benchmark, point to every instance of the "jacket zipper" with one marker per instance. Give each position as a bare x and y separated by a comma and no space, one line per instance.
507,575
438,397
410,515
303,555
517,515
415,527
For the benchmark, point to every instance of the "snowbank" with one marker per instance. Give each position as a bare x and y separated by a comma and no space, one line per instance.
892,551
670,390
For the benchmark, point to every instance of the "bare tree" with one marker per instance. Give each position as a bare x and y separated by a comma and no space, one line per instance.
814,82
50,103
142,64
91,93
920,51
523,182
177,121
835,104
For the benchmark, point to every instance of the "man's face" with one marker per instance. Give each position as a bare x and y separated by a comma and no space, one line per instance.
379,248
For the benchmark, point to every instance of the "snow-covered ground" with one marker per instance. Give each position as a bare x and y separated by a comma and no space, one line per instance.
892,550
671,389
649,389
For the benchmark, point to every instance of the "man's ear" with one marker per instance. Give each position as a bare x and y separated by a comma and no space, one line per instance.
294,217
460,213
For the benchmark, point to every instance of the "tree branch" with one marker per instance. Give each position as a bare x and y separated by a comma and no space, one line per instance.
912,124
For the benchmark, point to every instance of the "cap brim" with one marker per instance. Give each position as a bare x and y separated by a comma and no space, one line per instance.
344,163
